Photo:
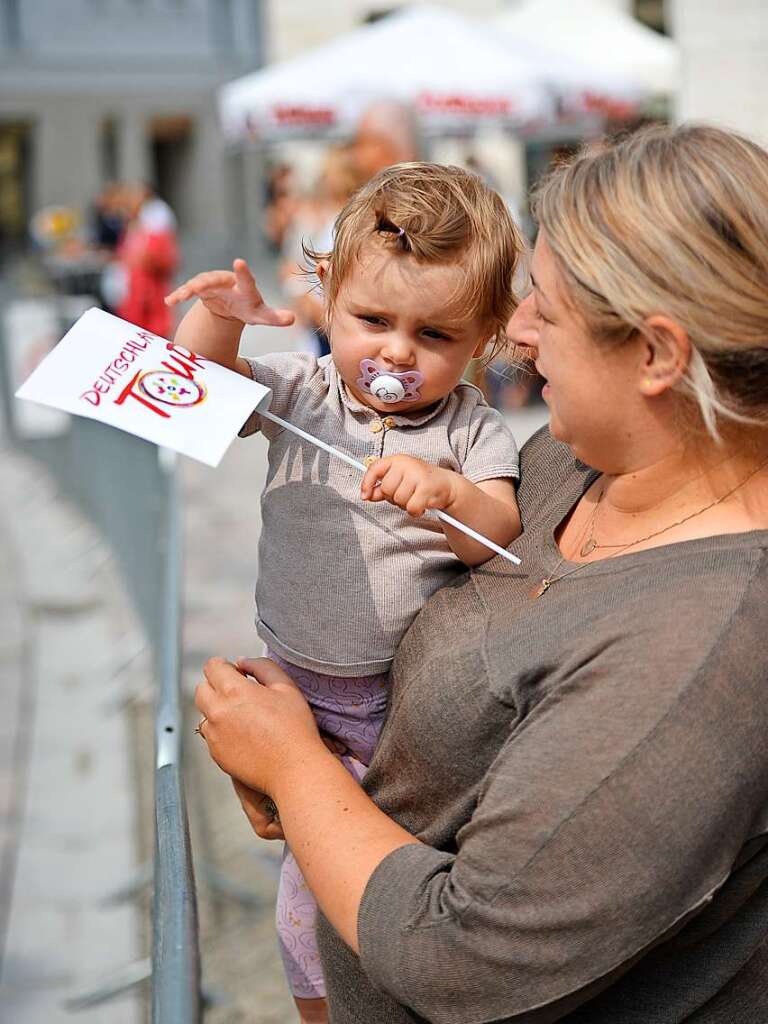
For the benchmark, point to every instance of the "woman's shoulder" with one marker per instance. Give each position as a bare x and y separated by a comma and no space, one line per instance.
548,468
541,453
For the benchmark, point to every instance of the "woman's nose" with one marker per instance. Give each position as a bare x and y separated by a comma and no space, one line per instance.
523,326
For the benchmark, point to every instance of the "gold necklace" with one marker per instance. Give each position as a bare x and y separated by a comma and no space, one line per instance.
547,581
590,544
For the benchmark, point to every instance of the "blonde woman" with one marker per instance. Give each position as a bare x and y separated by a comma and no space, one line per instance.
566,816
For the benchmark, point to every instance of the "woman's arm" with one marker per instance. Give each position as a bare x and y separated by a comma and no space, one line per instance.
259,730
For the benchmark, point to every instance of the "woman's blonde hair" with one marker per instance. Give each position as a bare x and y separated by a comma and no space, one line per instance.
673,221
435,214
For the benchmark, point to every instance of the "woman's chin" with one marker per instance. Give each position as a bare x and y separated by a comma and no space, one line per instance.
556,428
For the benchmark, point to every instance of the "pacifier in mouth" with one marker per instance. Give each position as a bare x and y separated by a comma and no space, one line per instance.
387,386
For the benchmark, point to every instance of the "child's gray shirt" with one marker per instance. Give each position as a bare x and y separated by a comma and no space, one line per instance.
340,579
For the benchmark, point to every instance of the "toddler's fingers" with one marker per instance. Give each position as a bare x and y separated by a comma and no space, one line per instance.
391,481
369,484
404,492
416,506
244,276
180,294
196,286
273,317
263,314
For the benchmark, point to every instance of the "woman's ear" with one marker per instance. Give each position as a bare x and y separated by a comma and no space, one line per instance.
666,354
321,270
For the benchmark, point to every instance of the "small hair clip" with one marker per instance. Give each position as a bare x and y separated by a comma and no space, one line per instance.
385,224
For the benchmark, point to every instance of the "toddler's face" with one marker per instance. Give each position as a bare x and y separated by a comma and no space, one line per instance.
397,313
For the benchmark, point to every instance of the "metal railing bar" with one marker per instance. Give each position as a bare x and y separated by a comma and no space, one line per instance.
176,995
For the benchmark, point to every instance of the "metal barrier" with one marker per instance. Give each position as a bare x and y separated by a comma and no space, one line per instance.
175,953
129,489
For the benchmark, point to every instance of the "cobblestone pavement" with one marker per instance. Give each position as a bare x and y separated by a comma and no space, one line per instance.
70,653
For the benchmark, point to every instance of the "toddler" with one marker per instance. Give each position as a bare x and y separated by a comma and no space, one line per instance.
417,284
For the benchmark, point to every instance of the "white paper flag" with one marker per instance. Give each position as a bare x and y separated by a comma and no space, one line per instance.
110,370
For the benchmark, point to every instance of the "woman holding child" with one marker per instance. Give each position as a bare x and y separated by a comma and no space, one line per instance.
566,816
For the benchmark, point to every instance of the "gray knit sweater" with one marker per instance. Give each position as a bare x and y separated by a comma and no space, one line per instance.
589,775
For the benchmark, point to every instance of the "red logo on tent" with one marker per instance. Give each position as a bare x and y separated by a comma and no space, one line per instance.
473,106
299,114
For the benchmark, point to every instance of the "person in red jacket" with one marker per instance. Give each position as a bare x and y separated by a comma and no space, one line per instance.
149,256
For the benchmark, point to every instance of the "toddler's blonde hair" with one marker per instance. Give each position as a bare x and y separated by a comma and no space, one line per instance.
434,214
673,221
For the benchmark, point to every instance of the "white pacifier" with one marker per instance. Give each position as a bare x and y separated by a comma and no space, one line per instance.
389,387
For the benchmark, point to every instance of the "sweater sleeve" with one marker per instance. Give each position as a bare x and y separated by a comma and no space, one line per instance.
613,813
491,452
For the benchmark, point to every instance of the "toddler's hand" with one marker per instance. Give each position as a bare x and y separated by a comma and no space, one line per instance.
410,484
258,810
232,295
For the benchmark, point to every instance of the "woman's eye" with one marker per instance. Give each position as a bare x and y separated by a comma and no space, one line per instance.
438,335
370,319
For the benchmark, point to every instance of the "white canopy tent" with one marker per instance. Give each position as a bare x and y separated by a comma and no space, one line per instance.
597,36
450,69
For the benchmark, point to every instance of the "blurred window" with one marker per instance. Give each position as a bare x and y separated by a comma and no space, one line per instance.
14,176
10,23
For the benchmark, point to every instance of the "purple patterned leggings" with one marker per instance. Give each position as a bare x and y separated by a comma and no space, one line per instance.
350,710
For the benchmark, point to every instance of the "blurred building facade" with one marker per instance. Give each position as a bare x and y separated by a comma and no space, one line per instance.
725,63
99,90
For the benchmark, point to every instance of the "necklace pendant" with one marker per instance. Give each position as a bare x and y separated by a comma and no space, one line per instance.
540,588
588,547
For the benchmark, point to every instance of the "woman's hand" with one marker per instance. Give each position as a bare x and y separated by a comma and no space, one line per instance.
260,730
411,484
256,720
258,810
231,295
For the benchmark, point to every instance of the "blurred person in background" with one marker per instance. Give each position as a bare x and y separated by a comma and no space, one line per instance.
147,258
108,214
107,226
281,201
386,134
312,227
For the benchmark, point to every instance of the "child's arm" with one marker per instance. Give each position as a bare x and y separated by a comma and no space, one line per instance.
228,300
489,507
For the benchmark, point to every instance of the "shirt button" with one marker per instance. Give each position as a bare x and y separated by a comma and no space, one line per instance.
370,459
389,423
376,426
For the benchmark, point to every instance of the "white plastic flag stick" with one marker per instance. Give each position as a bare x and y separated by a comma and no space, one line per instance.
359,465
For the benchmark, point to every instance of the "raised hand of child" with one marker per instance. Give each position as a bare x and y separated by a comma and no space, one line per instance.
411,484
231,295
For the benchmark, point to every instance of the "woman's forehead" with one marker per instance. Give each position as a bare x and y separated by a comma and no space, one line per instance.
545,274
